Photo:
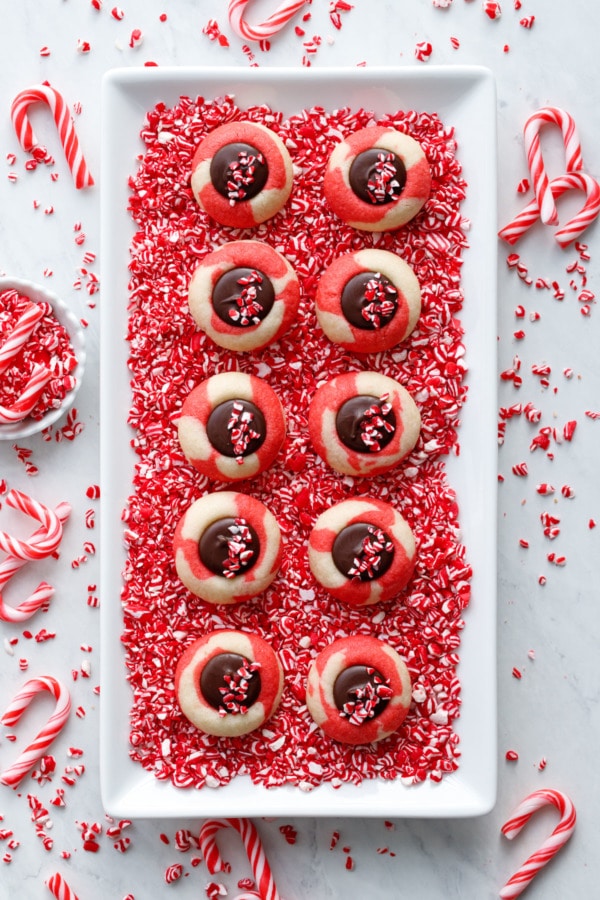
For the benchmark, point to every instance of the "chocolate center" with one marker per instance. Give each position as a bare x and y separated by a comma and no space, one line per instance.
365,424
238,172
229,682
361,693
362,551
242,297
377,176
369,301
229,547
236,428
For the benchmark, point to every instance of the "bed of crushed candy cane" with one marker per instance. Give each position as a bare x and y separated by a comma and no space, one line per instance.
168,356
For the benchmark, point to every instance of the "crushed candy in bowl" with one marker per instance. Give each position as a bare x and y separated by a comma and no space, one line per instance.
42,358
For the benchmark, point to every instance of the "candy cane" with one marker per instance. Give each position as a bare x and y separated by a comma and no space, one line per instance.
22,331
34,752
561,834
266,29
43,592
43,93
44,541
575,227
40,376
254,850
573,157
59,888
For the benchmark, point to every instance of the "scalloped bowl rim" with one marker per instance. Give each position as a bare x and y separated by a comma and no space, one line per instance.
68,320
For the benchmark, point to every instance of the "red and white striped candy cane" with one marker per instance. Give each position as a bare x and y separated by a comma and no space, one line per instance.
59,888
269,27
22,331
575,227
254,850
533,149
561,834
43,592
40,376
44,93
38,599
44,541
34,751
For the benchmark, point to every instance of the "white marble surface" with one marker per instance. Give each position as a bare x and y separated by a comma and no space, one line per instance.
552,712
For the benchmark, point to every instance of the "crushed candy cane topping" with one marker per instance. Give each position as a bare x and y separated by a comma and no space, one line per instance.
382,301
241,175
374,425
239,547
248,309
383,185
242,433
235,693
366,700
368,561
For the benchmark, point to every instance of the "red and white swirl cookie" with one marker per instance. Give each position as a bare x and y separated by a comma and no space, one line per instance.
363,423
242,174
244,295
228,683
362,551
358,690
227,547
377,179
232,426
368,301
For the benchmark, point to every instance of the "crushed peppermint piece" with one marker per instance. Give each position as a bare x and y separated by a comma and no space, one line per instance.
423,50
492,9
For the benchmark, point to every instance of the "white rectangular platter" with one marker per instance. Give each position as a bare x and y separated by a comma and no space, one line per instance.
464,97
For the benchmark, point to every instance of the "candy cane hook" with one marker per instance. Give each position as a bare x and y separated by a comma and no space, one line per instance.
254,850
42,594
44,93
34,751
44,541
575,227
561,834
533,149
269,27
22,331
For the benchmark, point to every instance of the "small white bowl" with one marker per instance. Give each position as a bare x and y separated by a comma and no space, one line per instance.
63,314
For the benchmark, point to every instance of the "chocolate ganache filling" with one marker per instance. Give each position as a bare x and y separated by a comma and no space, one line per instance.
366,424
230,682
229,547
377,176
369,301
236,428
362,551
361,693
238,172
243,297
